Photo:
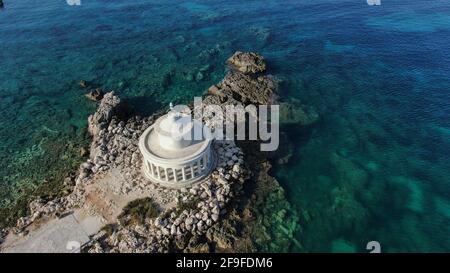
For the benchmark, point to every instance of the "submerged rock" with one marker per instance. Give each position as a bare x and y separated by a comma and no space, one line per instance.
95,95
261,33
83,83
247,62
294,112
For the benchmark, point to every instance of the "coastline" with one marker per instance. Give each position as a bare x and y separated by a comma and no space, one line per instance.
185,222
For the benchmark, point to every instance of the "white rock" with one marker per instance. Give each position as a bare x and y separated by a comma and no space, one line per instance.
215,217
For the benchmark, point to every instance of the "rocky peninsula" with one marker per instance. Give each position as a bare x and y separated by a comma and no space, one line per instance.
233,210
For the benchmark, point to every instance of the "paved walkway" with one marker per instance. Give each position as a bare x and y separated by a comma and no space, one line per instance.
57,236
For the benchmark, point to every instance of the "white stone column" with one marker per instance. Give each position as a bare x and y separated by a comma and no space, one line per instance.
167,174
152,171
158,172
183,173
205,161
199,166
175,177
192,171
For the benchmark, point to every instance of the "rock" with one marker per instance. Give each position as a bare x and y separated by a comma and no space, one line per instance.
214,90
189,221
262,33
83,152
188,76
199,76
240,88
83,83
215,217
95,95
165,231
173,230
215,210
247,62
205,216
109,106
167,79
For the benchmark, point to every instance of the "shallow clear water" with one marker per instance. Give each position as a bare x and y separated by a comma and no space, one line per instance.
375,167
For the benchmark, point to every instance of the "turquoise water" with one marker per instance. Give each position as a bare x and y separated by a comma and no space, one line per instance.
376,165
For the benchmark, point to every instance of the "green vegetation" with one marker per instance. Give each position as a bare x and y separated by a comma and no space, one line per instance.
138,210
109,229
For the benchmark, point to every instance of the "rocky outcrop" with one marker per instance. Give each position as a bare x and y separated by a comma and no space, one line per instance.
240,88
247,62
95,94
200,219
244,84
246,89
106,110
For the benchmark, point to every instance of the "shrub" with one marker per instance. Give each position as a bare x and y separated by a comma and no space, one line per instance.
138,210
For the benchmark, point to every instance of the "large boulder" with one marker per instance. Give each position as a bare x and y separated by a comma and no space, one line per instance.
244,84
247,89
108,107
247,62
95,94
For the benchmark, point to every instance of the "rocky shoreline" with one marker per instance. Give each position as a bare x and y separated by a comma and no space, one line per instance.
221,214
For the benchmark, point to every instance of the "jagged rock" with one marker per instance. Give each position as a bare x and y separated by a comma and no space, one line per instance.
95,95
106,110
214,90
247,62
83,152
215,217
245,89
83,83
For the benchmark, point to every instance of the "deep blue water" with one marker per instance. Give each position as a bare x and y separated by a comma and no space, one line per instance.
375,167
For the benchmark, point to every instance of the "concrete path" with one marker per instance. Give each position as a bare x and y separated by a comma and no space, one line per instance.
57,236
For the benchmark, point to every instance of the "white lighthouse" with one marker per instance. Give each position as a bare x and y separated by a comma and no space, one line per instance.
172,156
